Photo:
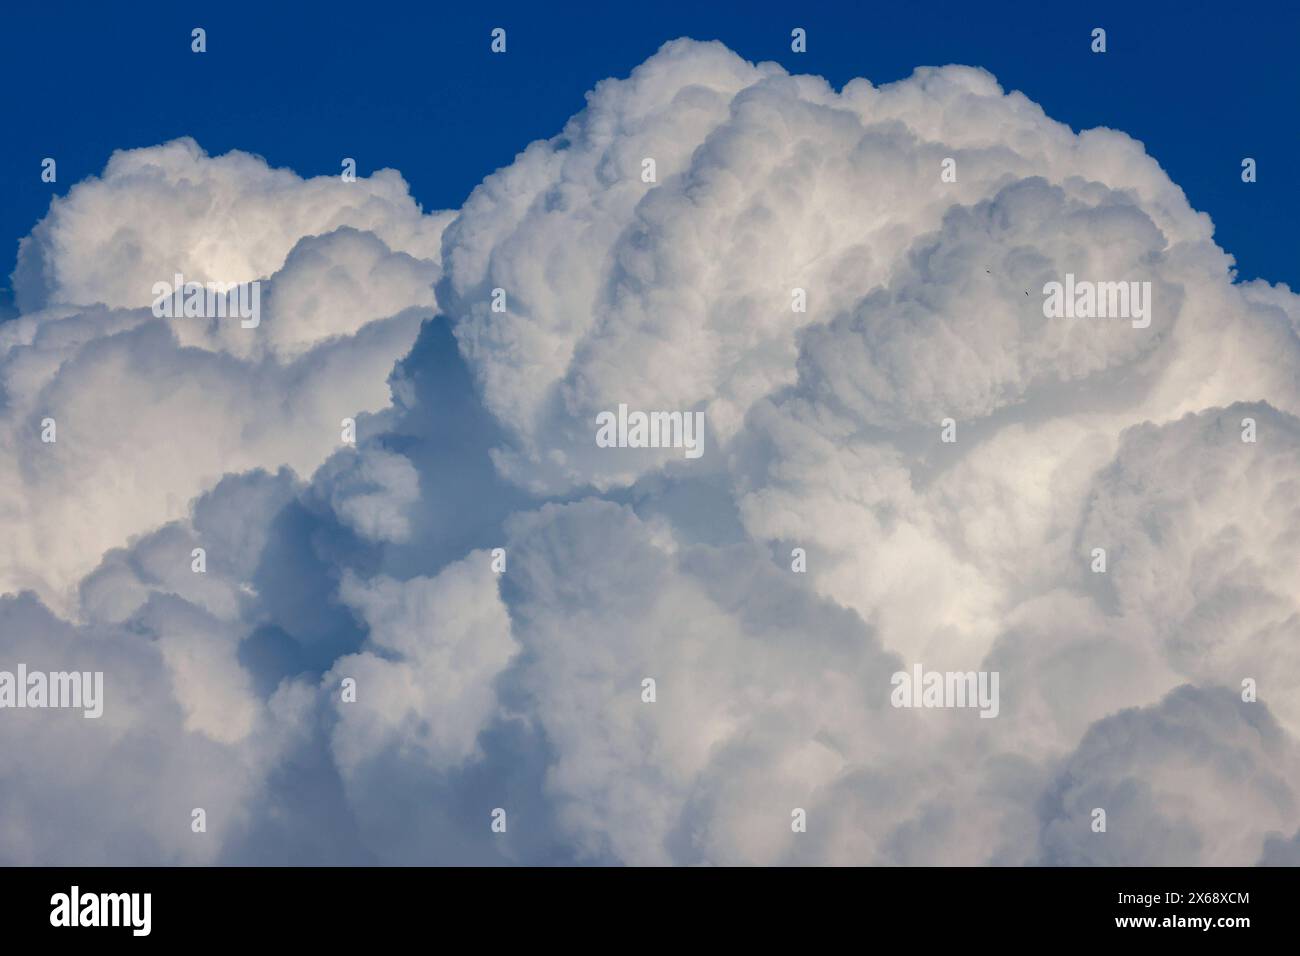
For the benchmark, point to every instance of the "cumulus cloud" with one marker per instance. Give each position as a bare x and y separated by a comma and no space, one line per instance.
680,293
172,208
179,731
1199,779
829,537
193,398
748,667
450,637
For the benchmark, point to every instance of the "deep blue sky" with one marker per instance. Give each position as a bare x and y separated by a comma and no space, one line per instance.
415,88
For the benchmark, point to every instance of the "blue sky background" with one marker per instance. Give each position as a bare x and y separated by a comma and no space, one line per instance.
414,87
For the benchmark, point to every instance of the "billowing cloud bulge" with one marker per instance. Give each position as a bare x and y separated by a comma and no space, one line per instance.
357,675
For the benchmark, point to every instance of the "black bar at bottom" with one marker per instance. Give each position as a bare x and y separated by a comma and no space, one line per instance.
613,907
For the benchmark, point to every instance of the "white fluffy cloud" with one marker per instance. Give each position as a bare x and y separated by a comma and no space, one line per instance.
679,295
180,731
150,412
1201,779
755,678
230,218
523,689
425,680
